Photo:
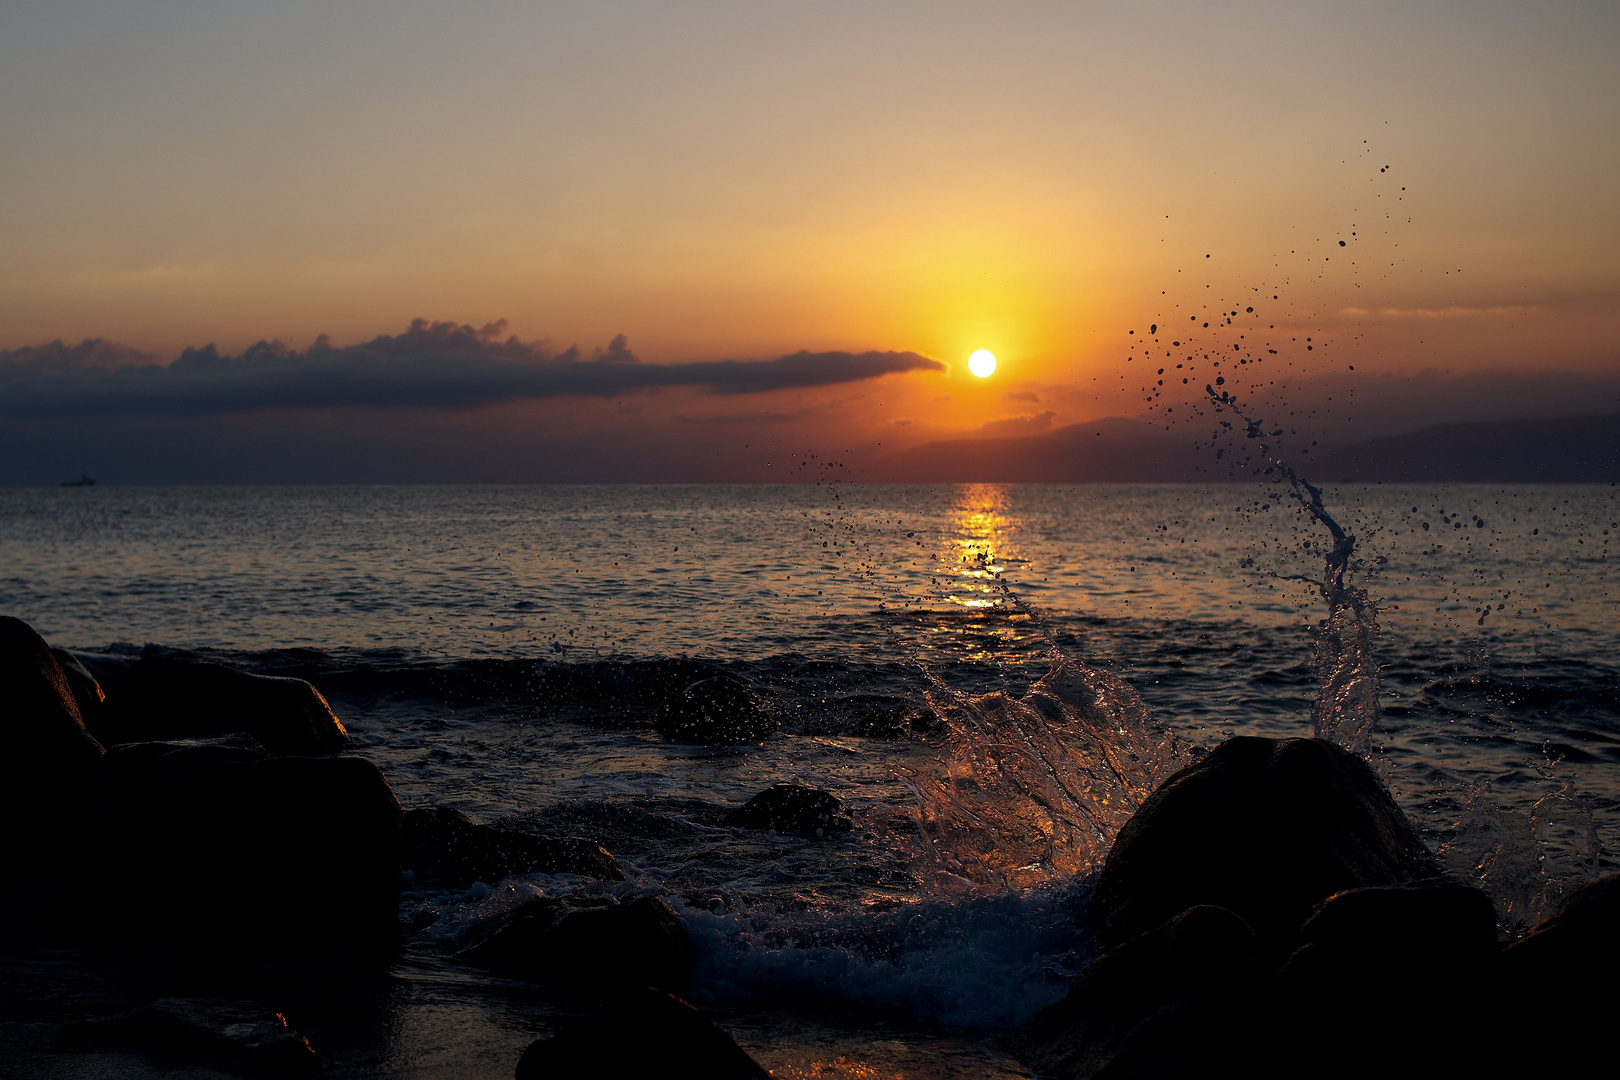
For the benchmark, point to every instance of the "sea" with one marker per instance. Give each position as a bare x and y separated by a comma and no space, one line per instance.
989,677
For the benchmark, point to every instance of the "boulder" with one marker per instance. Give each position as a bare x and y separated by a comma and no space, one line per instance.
642,1034
47,759
587,944
1176,1001
1423,953
792,808
166,697
442,844
717,710
1558,981
239,1032
1379,940
1265,828
218,850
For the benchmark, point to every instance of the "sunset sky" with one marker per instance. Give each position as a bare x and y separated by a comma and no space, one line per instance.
745,182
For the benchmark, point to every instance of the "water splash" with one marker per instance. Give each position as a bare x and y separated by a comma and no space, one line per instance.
1346,707
1032,789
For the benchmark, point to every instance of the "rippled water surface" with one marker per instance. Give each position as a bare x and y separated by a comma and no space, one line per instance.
453,627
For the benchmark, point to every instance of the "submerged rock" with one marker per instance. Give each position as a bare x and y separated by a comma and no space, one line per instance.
1175,1001
792,808
644,1034
218,850
240,1032
442,843
588,944
166,697
47,758
717,710
1267,829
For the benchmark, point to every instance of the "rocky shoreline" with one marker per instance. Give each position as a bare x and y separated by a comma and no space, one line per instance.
1268,911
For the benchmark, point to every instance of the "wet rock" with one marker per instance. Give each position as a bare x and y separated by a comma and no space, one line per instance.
642,1034
240,1032
217,850
1175,1001
792,808
443,844
47,759
717,710
166,697
1559,978
1265,828
87,692
588,944
1377,940
1423,953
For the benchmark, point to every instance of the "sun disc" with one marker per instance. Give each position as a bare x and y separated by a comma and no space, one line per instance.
982,363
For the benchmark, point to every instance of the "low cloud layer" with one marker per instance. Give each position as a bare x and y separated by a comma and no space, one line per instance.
442,366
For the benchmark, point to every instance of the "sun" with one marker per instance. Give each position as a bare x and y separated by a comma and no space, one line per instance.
982,363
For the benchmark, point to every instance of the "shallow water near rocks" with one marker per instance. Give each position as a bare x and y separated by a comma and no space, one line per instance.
481,644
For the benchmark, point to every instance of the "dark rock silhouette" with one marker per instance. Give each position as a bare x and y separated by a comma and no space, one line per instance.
47,758
717,710
588,945
641,1034
443,844
792,808
221,851
1267,829
1560,978
240,1032
1385,940
1176,1001
166,697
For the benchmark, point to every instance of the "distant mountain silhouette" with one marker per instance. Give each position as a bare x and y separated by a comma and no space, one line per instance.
1570,449
1111,450
1117,450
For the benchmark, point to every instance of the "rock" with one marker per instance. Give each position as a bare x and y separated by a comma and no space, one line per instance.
588,944
1264,828
217,850
166,697
717,710
442,843
47,759
644,1034
240,1032
1422,953
1581,933
1176,1001
1560,978
1389,940
87,692
791,808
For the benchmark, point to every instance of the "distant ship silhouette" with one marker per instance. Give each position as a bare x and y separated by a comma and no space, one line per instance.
84,480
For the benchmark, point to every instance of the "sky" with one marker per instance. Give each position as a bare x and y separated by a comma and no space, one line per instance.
498,241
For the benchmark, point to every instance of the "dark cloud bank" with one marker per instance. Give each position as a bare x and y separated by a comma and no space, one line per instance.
430,366
448,403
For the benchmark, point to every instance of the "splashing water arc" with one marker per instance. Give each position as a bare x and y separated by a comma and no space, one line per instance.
1032,789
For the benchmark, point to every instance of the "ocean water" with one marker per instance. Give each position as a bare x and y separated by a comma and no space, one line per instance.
1062,647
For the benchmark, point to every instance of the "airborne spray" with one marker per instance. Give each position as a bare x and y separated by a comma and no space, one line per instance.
1346,707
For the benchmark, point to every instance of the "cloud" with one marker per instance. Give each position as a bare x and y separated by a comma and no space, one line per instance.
1017,425
439,365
